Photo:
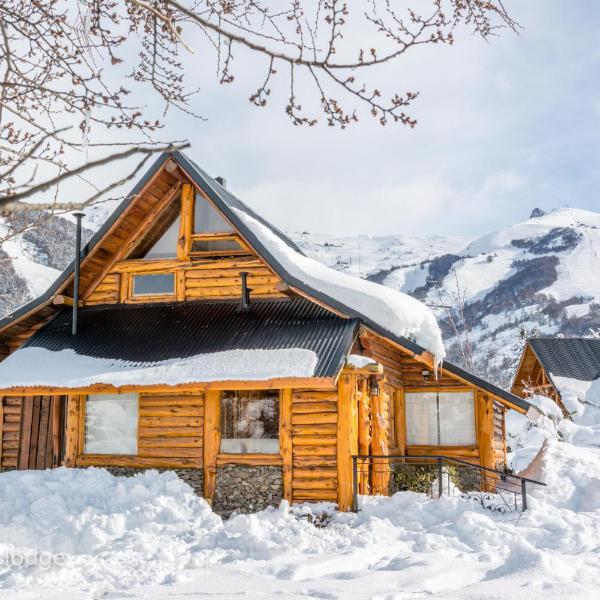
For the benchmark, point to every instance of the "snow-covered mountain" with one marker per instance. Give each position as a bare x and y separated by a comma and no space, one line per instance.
537,276
31,260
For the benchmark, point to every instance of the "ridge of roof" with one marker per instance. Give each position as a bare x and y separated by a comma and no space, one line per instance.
226,202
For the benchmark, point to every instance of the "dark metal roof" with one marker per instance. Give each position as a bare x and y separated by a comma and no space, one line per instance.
577,358
159,332
227,202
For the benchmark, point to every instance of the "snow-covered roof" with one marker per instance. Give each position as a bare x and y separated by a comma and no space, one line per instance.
183,343
67,370
390,313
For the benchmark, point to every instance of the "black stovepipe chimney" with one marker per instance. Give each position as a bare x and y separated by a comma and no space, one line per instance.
245,291
78,216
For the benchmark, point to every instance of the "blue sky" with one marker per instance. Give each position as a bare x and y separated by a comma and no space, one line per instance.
504,127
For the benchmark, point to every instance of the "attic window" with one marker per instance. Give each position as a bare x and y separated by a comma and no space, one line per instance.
166,246
207,219
154,284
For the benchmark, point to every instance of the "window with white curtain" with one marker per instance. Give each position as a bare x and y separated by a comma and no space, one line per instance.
111,422
440,419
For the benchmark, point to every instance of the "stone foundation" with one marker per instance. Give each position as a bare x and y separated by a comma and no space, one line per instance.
193,477
247,489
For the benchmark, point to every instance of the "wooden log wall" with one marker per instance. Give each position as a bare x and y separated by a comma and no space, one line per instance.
10,426
30,431
219,279
314,445
170,434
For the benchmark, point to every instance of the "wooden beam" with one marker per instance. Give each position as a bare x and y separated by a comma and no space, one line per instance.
400,421
212,441
62,300
72,441
345,428
55,410
379,443
316,383
364,433
285,441
249,459
485,430
186,223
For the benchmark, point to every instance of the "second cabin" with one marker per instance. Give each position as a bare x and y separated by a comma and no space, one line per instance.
207,343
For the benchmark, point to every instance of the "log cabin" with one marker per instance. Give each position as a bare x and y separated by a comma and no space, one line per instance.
207,343
547,361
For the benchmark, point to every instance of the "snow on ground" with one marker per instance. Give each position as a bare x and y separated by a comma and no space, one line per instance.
395,311
66,369
150,537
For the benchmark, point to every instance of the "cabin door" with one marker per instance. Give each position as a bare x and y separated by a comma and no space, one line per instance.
41,442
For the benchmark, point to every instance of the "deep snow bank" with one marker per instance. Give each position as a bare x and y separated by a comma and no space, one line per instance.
101,533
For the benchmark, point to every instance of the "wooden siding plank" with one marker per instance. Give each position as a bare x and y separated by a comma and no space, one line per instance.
26,426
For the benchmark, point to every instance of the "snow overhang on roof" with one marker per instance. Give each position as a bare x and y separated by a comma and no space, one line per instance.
182,343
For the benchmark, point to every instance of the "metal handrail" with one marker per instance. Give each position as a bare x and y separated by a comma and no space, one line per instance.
440,459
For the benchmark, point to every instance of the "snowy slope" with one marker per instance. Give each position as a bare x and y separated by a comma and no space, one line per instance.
539,275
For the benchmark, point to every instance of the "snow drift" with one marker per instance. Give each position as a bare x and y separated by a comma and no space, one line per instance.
101,534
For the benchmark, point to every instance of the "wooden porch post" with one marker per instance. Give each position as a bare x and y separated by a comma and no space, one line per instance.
485,418
347,439
364,434
285,441
72,442
379,444
212,441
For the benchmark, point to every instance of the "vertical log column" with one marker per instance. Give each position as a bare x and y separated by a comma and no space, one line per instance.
285,441
485,417
72,448
347,438
400,421
212,441
379,444
186,224
364,434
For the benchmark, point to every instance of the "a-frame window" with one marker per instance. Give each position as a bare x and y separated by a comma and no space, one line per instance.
211,233
166,246
199,230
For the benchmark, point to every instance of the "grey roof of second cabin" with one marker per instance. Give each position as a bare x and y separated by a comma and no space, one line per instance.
147,334
226,202
576,358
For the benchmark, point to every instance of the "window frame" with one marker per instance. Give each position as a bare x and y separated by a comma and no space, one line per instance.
217,237
213,236
132,297
83,411
229,457
437,392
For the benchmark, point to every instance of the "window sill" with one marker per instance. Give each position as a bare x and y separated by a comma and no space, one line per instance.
250,459
443,450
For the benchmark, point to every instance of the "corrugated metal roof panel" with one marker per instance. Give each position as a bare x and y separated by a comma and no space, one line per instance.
577,358
159,332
